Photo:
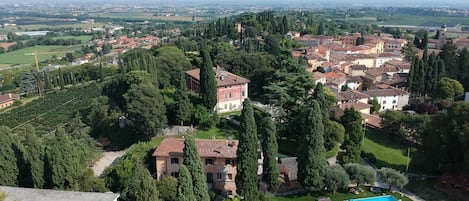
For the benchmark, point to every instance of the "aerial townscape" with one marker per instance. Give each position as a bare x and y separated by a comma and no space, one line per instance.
158,100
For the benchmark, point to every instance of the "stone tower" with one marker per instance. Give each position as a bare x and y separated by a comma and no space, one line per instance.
442,38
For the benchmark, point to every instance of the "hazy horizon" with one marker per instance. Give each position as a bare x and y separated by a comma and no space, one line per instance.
292,3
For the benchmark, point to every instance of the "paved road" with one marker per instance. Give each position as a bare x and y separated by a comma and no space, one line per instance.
105,161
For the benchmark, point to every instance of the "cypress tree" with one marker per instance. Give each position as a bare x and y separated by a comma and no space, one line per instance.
270,149
33,155
246,177
8,167
61,79
182,105
312,155
61,167
208,84
352,122
194,165
421,77
185,189
411,77
142,187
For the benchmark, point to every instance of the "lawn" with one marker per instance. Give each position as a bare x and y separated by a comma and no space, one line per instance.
24,56
388,151
428,190
33,27
336,197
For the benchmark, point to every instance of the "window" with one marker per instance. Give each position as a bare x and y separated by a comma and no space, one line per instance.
229,95
230,193
175,174
394,101
242,93
174,160
384,102
208,161
230,176
219,176
209,178
226,96
225,106
229,162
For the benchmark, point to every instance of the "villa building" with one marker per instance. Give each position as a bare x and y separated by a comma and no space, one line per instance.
231,89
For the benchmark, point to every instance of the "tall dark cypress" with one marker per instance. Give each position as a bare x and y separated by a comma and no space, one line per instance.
8,167
247,165
312,155
33,155
270,149
352,122
61,79
192,162
185,189
208,84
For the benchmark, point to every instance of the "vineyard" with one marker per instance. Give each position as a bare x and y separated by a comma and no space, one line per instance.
55,108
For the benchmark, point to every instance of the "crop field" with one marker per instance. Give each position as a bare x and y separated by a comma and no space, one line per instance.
147,16
402,19
4,31
31,27
84,39
24,56
54,108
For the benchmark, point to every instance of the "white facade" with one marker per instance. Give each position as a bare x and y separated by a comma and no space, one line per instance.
392,102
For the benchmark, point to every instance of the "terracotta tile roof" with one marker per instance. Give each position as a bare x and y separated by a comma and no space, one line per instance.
223,77
385,92
9,97
350,95
356,105
358,67
355,79
382,70
387,54
318,75
372,120
207,148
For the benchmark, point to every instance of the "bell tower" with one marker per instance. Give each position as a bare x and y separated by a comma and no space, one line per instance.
442,37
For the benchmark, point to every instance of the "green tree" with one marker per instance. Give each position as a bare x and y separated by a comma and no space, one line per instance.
336,178
270,149
360,174
352,122
167,188
192,162
146,109
33,156
61,79
334,133
208,84
376,106
8,168
182,104
393,177
246,177
62,166
448,88
312,155
185,190
142,185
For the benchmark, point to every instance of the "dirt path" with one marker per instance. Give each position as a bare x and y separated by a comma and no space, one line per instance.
105,161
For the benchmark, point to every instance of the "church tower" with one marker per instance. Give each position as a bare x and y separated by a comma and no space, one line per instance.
442,37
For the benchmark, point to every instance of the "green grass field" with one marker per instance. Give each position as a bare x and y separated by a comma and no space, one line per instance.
388,151
84,39
428,190
24,56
